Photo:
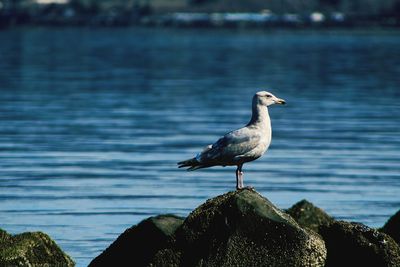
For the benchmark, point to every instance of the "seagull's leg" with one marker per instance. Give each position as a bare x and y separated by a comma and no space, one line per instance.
240,176
237,178
240,183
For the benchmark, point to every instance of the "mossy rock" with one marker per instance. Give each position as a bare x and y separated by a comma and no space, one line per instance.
138,245
308,215
167,257
392,227
242,228
354,244
31,249
239,228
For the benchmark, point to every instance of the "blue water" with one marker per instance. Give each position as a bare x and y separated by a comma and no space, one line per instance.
93,122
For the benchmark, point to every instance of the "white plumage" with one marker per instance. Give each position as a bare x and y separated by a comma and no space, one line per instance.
242,145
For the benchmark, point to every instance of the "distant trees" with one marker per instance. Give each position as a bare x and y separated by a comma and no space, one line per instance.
279,6
22,11
85,7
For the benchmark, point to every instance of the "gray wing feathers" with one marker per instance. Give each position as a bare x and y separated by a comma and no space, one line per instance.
230,147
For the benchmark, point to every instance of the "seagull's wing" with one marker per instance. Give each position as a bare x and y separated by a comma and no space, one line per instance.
230,147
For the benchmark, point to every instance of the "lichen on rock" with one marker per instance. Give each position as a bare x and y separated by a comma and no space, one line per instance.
308,215
353,244
31,249
239,228
242,228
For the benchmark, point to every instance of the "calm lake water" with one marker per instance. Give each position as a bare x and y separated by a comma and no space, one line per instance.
93,123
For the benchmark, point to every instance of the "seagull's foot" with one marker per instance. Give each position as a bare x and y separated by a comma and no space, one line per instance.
251,188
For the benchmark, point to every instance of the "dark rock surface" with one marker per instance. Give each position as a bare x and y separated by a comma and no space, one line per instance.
31,249
392,227
238,228
138,244
242,228
308,215
354,244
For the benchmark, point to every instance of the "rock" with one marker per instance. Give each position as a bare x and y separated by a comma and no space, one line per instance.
242,228
138,244
392,227
354,244
31,249
308,215
166,258
239,228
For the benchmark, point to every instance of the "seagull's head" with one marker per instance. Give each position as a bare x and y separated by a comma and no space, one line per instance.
266,99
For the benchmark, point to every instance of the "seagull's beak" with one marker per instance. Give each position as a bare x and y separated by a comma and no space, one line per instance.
280,101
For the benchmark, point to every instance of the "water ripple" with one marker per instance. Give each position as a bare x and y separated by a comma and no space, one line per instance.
90,136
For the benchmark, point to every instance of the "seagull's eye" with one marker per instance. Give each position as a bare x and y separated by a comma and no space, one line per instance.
268,96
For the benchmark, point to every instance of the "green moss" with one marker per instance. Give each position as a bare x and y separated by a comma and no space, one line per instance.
167,223
242,228
308,215
31,249
248,200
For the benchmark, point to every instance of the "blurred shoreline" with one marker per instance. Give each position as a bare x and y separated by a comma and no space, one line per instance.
76,13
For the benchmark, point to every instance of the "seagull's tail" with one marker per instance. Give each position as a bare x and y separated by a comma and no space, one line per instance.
193,164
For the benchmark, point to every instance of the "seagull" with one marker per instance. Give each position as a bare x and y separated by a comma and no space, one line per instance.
242,145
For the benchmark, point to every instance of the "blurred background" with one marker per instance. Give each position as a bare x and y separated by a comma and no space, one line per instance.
100,99
201,12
